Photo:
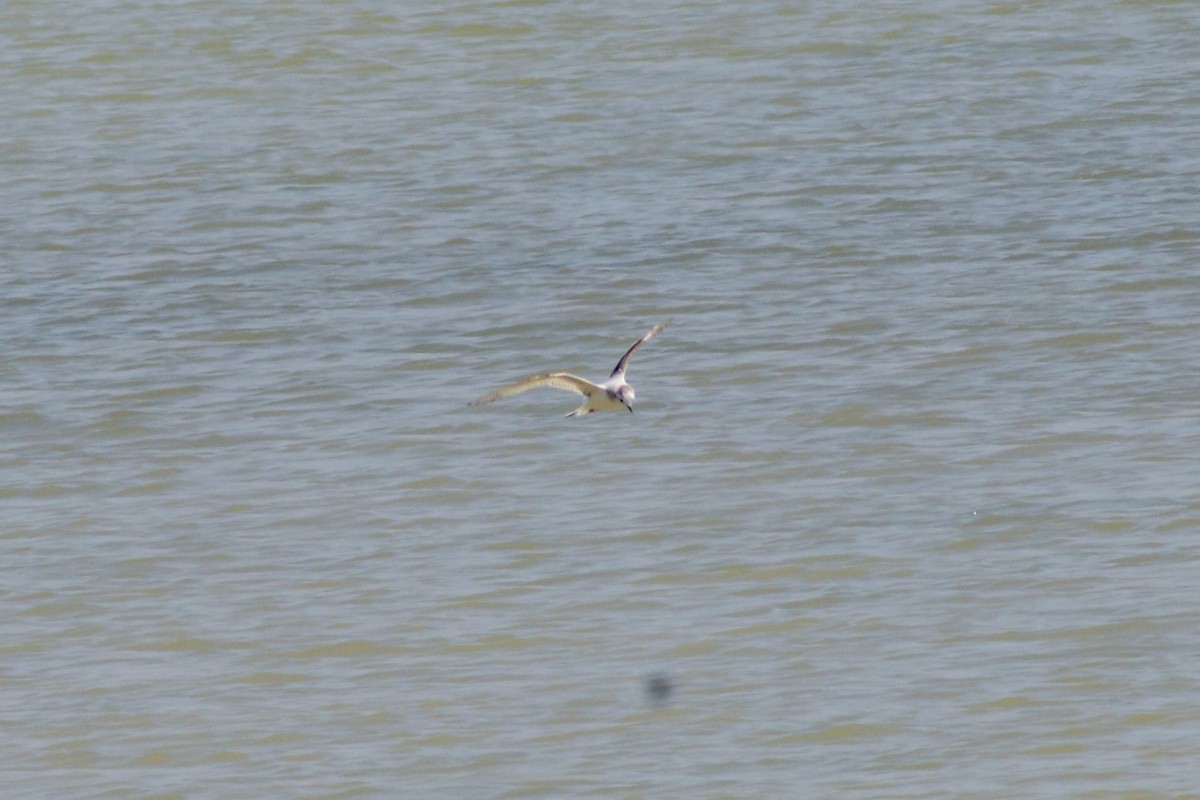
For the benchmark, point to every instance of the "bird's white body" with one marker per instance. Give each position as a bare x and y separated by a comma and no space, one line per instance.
613,394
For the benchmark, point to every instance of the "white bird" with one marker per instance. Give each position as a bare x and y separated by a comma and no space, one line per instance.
611,395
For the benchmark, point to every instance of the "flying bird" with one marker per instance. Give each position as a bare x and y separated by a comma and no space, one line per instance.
612,395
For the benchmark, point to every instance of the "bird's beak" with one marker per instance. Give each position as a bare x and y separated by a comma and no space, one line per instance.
630,409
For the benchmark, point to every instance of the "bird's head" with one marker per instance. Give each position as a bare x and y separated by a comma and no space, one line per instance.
625,395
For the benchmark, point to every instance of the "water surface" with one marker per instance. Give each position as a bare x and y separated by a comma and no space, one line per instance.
908,507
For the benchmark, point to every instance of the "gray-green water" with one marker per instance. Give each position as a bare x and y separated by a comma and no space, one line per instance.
910,503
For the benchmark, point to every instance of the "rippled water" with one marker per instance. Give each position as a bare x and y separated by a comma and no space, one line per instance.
908,507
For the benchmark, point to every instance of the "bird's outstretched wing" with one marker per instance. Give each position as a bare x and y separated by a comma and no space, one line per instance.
555,380
617,370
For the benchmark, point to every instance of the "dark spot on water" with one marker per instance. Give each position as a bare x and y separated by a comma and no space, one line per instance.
659,688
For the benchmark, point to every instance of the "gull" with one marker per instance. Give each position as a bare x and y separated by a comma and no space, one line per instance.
611,395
